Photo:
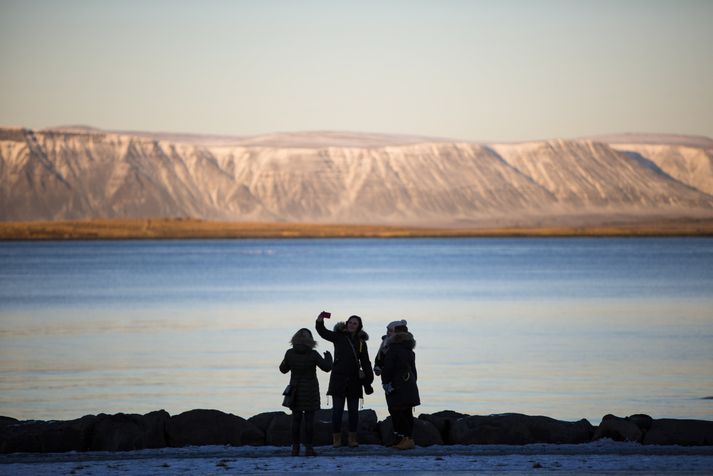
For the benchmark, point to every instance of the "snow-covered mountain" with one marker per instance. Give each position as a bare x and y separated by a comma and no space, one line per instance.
341,177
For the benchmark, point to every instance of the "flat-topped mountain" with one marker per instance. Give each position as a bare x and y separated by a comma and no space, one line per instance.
340,177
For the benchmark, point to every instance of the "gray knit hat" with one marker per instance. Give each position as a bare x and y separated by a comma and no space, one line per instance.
394,324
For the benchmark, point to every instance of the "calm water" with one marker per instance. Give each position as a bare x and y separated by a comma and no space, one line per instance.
570,328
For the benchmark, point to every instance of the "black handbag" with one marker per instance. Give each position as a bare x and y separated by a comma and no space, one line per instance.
289,396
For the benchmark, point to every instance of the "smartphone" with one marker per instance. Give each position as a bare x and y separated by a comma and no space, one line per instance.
326,315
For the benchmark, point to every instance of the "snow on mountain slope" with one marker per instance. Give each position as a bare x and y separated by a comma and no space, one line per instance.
323,177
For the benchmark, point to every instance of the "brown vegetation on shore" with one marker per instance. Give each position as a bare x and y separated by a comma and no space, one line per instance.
196,229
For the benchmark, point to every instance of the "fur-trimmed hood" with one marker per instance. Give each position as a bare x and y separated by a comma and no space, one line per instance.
405,338
341,327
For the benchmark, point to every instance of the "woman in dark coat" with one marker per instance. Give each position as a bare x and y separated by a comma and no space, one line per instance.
398,377
345,384
302,361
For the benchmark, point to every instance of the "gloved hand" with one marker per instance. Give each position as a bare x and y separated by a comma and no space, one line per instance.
388,388
327,356
377,370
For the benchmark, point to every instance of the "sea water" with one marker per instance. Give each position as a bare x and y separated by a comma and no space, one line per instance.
565,327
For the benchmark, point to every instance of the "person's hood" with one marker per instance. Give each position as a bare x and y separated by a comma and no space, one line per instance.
405,338
341,327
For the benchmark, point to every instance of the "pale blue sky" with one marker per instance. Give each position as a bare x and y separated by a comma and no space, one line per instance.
477,70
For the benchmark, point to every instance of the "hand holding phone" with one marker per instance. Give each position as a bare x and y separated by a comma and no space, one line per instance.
325,315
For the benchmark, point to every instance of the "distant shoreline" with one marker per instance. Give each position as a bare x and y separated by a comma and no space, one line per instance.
167,228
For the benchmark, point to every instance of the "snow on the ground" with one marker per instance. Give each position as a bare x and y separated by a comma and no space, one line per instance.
595,458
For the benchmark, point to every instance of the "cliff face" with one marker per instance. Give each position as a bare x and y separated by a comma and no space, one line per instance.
77,174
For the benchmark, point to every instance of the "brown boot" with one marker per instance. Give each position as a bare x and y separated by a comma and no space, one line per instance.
336,440
309,450
353,443
406,443
295,449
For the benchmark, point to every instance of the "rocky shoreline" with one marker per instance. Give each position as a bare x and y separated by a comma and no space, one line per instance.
158,429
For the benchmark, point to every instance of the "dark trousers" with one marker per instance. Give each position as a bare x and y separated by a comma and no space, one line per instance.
297,423
338,409
402,419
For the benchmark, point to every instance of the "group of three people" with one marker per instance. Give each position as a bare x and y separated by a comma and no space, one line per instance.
351,375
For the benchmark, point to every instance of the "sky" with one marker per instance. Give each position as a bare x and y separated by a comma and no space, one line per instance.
462,69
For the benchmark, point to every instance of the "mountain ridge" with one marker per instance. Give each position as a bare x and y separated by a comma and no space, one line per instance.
82,173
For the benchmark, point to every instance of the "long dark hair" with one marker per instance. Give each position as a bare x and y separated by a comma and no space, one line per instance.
303,337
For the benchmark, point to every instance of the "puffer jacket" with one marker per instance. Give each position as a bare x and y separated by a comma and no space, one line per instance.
302,362
344,380
399,370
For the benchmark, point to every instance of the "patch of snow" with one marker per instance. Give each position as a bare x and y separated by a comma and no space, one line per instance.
602,457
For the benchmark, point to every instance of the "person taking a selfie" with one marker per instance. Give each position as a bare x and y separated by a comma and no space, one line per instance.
351,371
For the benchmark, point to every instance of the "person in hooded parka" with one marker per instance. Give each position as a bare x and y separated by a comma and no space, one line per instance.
399,377
352,372
302,362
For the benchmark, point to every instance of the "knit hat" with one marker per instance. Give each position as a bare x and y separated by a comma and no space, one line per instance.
394,324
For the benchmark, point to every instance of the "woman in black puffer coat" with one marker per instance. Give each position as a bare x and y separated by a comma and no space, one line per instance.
302,361
345,384
399,376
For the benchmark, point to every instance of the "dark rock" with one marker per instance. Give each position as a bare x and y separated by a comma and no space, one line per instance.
212,427
517,429
126,432
443,421
279,431
263,420
386,431
35,436
368,428
6,420
618,429
424,433
668,431
642,421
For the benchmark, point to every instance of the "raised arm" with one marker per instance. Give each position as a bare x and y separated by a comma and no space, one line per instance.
322,331
324,363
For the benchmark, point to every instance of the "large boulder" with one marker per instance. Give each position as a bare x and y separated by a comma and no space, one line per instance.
424,433
644,422
279,430
368,428
211,427
6,420
668,431
443,421
517,429
618,429
263,421
126,432
35,436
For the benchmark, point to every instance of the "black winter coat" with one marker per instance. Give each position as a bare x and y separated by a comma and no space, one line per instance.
302,361
399,369
344,381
